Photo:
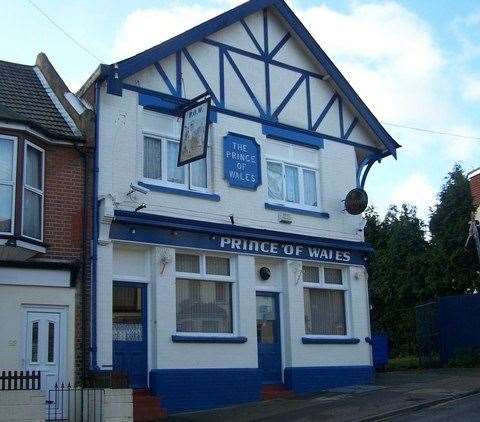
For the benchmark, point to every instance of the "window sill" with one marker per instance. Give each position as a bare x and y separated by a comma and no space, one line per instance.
180,338
313,340
183,192
294,210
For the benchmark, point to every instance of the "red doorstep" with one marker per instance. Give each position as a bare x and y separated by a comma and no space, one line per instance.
275,391
146,407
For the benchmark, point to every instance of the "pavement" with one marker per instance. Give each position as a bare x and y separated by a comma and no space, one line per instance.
395,396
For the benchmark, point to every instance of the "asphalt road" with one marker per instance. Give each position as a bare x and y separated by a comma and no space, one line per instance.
460,410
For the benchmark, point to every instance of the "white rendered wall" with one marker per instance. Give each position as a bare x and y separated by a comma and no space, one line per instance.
14,300
285,279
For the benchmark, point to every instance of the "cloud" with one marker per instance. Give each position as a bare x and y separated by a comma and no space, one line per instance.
146,28
388,54
415,190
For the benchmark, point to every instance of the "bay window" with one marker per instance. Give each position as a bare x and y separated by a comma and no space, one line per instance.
203,294
325,297
32,210
7,183
160,156
292,184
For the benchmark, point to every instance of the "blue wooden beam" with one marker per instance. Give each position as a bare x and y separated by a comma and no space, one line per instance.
200,76
288,96
245,84
165,78
252,37
281,43
350,128
324,112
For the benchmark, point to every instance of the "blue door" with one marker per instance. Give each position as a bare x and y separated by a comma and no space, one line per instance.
130,332
268,338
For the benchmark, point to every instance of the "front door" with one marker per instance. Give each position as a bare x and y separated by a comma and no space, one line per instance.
130,332
45,349
268,338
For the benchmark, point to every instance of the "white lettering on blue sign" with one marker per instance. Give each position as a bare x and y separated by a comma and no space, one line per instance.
283,249
241,161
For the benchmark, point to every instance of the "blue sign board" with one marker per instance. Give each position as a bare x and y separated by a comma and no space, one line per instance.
233,244
241,161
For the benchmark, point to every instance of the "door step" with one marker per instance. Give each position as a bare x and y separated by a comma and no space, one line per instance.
275,391
147,407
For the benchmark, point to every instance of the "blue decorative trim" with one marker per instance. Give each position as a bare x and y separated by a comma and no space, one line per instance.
310,140
200,76
138,62
309,103
165,78
178,66
365,165
312,340
279,45
181,338
221,64
324,112
199,389
256,119
294,210
265,32
252,37
337,77
166,189
245,84
290,94
167,104
350,128
309,379
340,117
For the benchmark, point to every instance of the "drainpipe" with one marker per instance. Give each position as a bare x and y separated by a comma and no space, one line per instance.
93,302
84,155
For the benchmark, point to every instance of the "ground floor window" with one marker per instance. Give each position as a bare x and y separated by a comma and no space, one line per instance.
325,301
204,306
203,293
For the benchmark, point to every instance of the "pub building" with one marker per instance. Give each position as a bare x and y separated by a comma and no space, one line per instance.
241,271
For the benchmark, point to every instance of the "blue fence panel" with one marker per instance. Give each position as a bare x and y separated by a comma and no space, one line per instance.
459,323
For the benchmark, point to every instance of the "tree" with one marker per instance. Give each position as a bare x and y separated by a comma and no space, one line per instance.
397,277
452,269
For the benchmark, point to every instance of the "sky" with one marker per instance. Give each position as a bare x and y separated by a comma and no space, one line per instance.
415,63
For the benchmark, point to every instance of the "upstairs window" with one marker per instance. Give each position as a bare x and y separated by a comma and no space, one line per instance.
160,156
33,192
7,184
291,184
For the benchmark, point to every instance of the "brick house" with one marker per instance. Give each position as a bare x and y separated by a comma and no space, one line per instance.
43,214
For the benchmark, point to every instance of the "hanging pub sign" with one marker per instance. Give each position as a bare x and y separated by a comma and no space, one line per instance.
194,135
356,201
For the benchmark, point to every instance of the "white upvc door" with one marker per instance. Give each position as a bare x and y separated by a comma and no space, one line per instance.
45,348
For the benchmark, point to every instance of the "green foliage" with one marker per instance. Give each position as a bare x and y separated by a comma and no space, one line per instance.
452,268
467,358
403,363
407,269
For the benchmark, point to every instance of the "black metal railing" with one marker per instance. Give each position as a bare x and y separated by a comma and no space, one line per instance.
74,404
20,380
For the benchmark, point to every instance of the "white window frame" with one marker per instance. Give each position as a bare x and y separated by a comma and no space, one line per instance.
32,189
321,285
13,182
187,185
301,188
203,276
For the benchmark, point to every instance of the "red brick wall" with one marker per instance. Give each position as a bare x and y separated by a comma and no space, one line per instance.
64,208
475,188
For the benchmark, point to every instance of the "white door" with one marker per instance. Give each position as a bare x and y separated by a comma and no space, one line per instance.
44,346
